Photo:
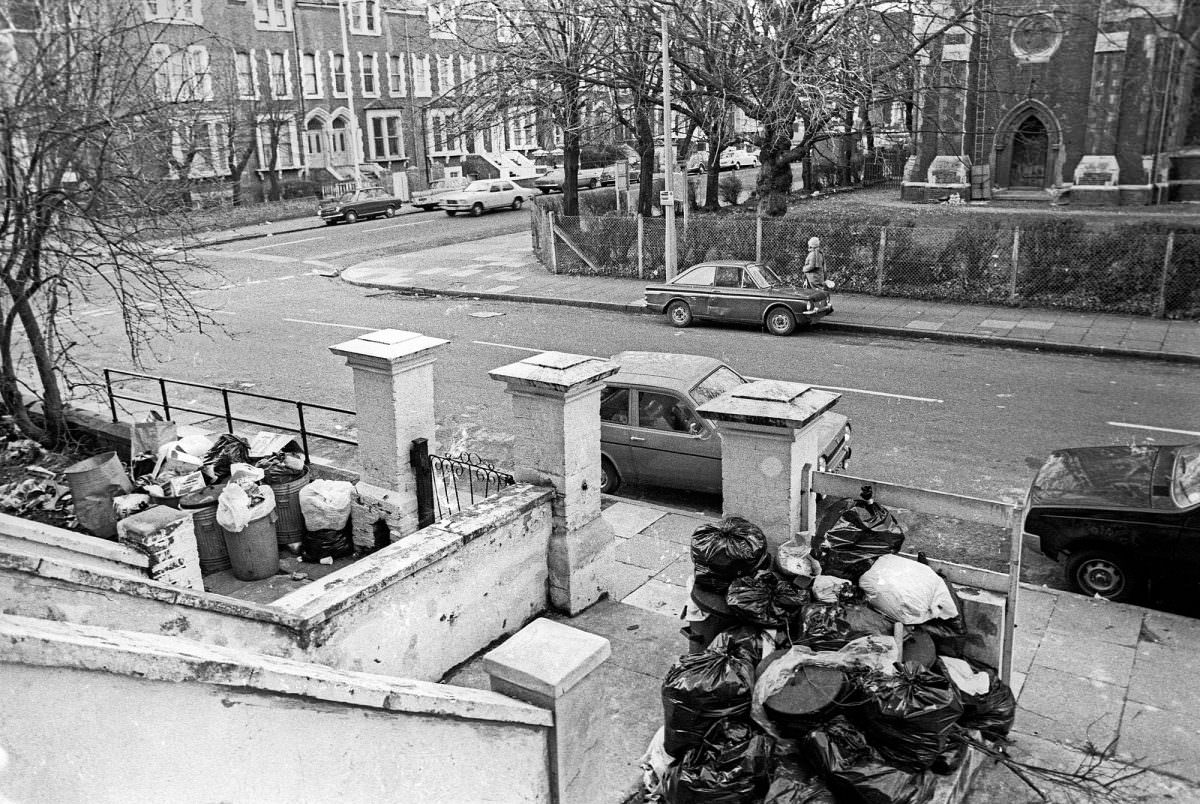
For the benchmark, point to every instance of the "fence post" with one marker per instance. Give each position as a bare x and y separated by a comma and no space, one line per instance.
418,458
758,238
1016,262
881,261
553,246
641,250
1160,306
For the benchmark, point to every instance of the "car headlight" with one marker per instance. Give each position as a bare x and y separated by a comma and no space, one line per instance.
808,305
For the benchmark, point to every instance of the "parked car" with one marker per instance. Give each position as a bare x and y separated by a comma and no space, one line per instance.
738,158
589,178
370,202
697,163
1119,518
745,292
482,195
438,189
650,433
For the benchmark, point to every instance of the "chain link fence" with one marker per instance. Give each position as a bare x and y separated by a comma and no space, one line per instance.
1140,269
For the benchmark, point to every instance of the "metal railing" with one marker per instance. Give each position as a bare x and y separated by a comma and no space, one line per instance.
447,485
226,413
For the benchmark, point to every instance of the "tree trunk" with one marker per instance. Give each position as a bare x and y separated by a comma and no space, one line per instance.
235,186
774,180
645,149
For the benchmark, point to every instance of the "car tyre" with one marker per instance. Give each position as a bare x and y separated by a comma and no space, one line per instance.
780,321
610,481
517,202
390,212
593,184
476,210
545,191
452,212
1107,574
679,314
351,216
428,207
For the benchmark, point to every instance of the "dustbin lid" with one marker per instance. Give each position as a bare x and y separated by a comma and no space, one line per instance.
202,499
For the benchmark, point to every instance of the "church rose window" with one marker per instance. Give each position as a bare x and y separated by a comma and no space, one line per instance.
1036,37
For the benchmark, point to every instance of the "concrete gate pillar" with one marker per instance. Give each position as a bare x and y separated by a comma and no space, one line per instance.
393,394
556,424
768,439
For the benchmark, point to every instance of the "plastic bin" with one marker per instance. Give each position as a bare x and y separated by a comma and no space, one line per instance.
210,539
290,527
254,553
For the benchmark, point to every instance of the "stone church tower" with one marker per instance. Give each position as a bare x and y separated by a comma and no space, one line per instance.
1096,100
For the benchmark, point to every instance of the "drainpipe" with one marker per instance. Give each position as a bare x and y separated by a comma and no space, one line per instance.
1162,120
354,135
302,134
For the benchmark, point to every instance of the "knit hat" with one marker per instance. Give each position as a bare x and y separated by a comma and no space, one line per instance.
814,242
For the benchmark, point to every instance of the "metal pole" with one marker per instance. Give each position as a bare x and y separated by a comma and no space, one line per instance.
758,236
354,136
1016,259
641,254
668,157
303,429
1160,306
418,459
553,246
228,414
881,263
162,390
112,403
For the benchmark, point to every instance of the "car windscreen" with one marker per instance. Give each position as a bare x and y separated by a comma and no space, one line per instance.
763,276
715,384
1185,478
478,187
345,198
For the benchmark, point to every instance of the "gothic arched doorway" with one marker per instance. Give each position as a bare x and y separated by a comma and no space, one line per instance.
1030,149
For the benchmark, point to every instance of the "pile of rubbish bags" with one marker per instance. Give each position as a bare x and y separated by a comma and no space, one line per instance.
795,689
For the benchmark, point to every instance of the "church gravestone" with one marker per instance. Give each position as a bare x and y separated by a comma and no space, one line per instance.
1096,180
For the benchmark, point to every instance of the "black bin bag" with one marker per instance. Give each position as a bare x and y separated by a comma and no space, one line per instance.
765,599
993,712
853,533
702,688
728,767
856,772
908,717
727,550
794,782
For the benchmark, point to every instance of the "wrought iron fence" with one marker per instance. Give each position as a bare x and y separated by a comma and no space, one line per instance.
449,484
1140,269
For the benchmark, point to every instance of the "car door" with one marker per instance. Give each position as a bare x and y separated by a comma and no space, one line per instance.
694,286
676,450
616,411
734,296
373,202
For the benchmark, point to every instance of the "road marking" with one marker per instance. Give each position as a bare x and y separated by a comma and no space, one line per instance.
282,278
275,245
328,324
393,226
510,346
1149,427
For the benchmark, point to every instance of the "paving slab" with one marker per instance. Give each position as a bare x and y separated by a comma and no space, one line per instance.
627,519
1096,619
1160,738
676,528
1166,677
1097,661
1068,708
647,551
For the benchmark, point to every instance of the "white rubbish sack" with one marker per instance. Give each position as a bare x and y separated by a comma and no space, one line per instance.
235,509
325,504
907,591
827,588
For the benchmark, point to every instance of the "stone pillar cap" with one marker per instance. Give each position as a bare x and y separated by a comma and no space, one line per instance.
770,403
547,657
555,371
388,345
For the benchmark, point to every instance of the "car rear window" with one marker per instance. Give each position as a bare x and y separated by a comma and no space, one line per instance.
715,384
1185,483
700,275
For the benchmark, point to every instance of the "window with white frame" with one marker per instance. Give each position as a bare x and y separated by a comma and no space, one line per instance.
279,76
364,16
422,86
199,78
386,134
443,133
273,15
441,20
445,74
397,86
286,151
368,72
337,74
178,12
199,146
310,75
246,74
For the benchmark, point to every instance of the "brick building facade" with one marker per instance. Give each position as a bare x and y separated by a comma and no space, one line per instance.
1035,99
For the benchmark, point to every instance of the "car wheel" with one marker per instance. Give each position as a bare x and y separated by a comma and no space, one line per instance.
780,321
390,212
1108,575
679,314
517,202
593,184
476,210
610,481
428,207
351,216
451,212
545,191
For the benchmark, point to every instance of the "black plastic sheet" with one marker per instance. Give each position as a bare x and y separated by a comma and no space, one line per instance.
703,688
908,717
227,450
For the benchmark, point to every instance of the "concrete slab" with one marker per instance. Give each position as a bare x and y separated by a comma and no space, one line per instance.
641,641
1098,661
676,528
626,519
678,571
659,597
1096,619
1159,738
1170,630
1165,677
644,550
1068,708
1034,608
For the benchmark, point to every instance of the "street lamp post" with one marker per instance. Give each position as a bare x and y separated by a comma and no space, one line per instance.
669,257
354,135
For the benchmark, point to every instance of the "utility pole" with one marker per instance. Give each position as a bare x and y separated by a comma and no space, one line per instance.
354,136
668,209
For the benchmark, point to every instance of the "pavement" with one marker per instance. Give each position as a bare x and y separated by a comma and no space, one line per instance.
504,268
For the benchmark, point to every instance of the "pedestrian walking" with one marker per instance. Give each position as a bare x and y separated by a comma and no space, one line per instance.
814,264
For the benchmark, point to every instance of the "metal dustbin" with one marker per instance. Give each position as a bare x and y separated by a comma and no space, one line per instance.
253,552
210,538
289,529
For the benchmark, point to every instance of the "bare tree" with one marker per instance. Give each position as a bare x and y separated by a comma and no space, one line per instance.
92,96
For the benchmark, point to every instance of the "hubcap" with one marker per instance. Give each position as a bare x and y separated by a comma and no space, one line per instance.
1102,577
779,321
678,314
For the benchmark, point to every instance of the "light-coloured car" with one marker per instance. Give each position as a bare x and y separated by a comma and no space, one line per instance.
485,194
738,158
650,433
438,189
589,178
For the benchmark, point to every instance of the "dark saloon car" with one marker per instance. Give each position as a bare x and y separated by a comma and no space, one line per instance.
1120,517
370,202
742,292
651,434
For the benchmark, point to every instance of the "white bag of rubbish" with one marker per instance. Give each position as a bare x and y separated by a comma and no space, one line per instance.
325,504
907,591
236,508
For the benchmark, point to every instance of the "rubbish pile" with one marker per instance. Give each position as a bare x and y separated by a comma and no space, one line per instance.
249,499
830,670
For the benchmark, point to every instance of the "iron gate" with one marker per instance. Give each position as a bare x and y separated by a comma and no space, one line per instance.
448,484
